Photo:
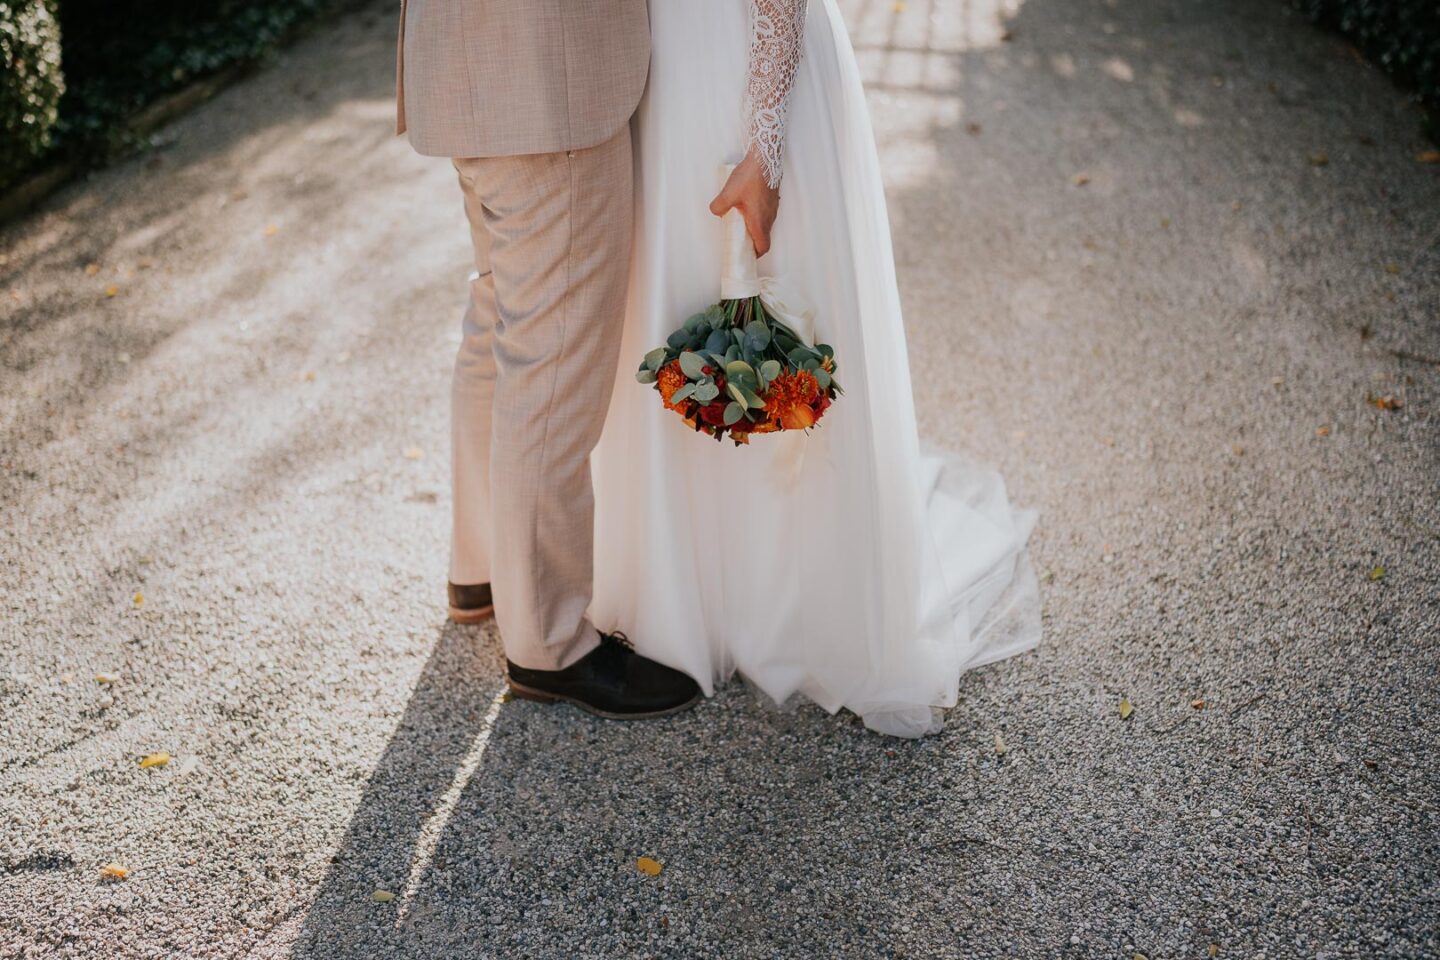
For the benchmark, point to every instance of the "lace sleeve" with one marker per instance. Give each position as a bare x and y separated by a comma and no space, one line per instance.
777,28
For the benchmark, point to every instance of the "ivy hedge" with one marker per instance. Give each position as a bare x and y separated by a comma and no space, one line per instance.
31,85
1402,36
117,56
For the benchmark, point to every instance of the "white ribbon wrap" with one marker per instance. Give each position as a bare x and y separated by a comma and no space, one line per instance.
740,278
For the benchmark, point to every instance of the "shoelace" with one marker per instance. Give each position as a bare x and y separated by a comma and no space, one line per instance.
618,638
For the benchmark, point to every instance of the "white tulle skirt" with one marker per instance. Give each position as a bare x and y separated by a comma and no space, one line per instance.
850,566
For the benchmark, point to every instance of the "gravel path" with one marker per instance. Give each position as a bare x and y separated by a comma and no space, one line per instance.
1156,257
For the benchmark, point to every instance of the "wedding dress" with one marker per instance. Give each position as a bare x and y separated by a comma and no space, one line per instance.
851,565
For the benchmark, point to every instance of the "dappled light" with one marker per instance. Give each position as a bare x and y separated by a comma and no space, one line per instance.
1171,266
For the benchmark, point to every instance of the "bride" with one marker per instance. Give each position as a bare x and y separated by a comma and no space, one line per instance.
850,565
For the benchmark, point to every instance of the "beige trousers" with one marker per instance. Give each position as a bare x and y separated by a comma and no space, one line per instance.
532,382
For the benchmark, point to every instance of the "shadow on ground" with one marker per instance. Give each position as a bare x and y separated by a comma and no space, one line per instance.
1129,282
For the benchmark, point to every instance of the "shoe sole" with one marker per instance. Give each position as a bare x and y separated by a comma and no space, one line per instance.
477,615
542,696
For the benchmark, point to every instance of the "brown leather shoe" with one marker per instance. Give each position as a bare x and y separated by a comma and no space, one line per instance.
471,603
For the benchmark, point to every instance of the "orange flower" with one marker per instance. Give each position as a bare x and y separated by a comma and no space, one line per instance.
670,379
789,402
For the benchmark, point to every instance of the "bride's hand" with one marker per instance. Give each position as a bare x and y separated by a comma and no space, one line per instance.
757,201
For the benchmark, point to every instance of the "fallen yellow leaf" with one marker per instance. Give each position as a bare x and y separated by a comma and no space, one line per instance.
139,599
648,866
271,230
382,896
155,760
1001,747
1322,431
112,290
1386,402
114,871
1319,159
1392,268
414,453
1198,704
106,678
1080,179
1125,709
1212,950
91,269
1377,572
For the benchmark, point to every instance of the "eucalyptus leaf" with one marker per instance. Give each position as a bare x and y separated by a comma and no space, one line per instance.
733,413
825,349
752,400
822,377
732,388
739,368
770,369
705,392
758,333
717,342
695,322
693,364
646,376
655,359
684,393
678,339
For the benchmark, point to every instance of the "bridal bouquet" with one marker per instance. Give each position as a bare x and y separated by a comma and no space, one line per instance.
739,367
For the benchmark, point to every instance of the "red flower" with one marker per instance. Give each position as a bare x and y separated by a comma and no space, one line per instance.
713,414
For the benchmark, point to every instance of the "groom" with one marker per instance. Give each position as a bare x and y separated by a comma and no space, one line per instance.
532,102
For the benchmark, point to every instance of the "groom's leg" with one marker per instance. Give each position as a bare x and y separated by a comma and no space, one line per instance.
560,226
472,396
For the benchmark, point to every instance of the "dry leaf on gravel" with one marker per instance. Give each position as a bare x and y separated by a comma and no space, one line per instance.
1080,179
91,269
414,453
112,291
106,678
648,866
114,871
1377,572
139,599
271,230
382,896
1386,402
155,760
1198,704
1000,746
1392,268
1126,708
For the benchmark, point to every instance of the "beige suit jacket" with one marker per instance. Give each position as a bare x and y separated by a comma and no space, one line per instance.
496,78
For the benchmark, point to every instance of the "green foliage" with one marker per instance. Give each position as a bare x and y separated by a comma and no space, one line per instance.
31,84
121,55
1403,36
